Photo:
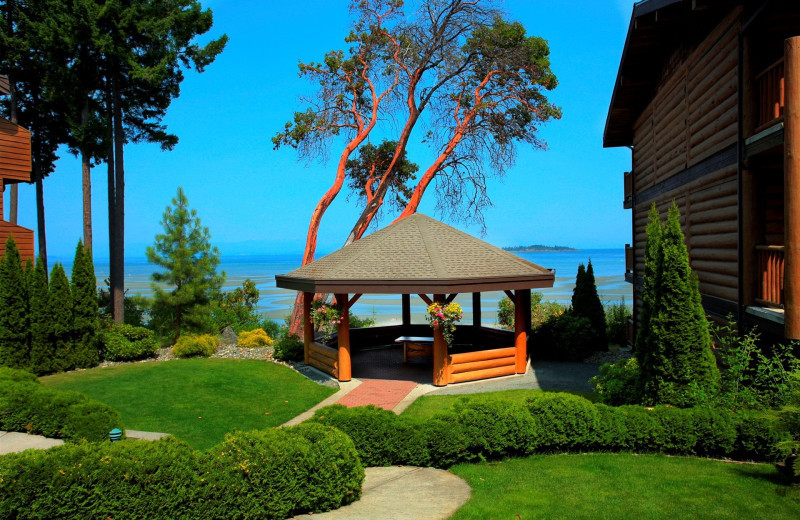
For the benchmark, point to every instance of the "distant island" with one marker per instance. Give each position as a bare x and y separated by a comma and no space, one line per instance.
538,248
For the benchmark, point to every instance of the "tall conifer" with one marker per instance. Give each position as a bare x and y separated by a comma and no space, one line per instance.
653,258
42,348
14,324
680,356
586,303
84,299
63,322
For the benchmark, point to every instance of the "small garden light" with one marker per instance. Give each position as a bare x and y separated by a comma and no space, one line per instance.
115,435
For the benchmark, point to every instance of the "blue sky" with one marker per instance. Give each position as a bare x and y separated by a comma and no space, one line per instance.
256,200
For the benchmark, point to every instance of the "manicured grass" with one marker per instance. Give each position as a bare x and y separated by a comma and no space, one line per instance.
619,486
429,405
197,400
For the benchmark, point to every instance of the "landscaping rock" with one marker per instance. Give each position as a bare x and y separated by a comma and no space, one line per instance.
229,337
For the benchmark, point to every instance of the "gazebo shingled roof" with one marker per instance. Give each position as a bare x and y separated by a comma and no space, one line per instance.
417,255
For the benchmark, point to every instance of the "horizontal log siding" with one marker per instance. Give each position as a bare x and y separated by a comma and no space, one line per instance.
22,236
324,358
15,152
481,364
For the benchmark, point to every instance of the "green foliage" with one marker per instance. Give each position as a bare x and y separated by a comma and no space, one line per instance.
17,375
256,338
357,322
14,310
586,304
675,356
564,337
42,356
63,322
618,383
541,311
373,162
83,288
127,343
32,408
789,422
288,347
136,308
749,378
191,345
566,421
617,315
189,262
237,308
260,474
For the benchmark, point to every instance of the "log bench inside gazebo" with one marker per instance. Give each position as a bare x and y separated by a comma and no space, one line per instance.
422,256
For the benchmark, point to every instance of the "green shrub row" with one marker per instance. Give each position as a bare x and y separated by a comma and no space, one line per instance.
549,423
128,343
261,474
27,406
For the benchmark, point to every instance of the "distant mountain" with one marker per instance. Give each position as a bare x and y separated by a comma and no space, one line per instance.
538,248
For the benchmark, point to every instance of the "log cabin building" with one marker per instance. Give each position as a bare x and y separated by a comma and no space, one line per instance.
15,166
707,98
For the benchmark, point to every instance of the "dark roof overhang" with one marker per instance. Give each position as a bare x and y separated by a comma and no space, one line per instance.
656,29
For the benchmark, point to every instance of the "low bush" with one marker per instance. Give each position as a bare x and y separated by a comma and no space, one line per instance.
476,431
541,311
564,337
289,347
127,343
27,406
617,315
263,474
255,338
618,383
16,374
190,345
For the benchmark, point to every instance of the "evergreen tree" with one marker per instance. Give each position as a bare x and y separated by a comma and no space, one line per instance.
189,262
586,303
42,353
679,343
63,322
14,324
84,300
653,258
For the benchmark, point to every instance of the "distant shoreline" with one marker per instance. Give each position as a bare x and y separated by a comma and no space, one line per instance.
539,249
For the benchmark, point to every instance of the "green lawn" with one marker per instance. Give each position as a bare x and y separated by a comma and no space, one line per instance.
197,400
429,405
619,486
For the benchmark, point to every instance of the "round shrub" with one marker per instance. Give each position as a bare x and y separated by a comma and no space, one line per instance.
128,343
447,442
566,421
255,338
190,345
618,383
277,472
381,437
564,337
497,429
15,374
288,348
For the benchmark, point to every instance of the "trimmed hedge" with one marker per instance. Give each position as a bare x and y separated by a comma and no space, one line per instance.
27,406
261,474
550,423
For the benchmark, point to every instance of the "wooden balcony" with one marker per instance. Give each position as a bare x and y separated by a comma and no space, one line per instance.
771,95
629,275
627,203
22,236
770,275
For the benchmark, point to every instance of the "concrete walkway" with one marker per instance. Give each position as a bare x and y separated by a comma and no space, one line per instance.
404,493
12,442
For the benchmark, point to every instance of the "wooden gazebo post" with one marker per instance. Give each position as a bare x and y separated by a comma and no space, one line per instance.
345,370
439,351
520,332
308,327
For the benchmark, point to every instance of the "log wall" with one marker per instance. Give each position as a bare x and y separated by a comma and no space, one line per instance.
15,152
22,236
691,119
324,358
481,364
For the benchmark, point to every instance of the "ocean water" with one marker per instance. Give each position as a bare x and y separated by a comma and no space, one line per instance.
275,303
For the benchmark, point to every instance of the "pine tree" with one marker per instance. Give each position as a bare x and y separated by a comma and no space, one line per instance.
14,324
42,351
189,262
653,259
586,303
680,357
63,322
84,299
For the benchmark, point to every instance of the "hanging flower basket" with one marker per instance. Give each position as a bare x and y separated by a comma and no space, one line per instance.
445,317
326,319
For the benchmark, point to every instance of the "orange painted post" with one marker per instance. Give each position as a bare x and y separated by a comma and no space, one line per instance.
791,180
345,369
440,372
308,327
520,335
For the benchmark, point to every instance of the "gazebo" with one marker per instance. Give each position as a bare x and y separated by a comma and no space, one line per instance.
420,255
